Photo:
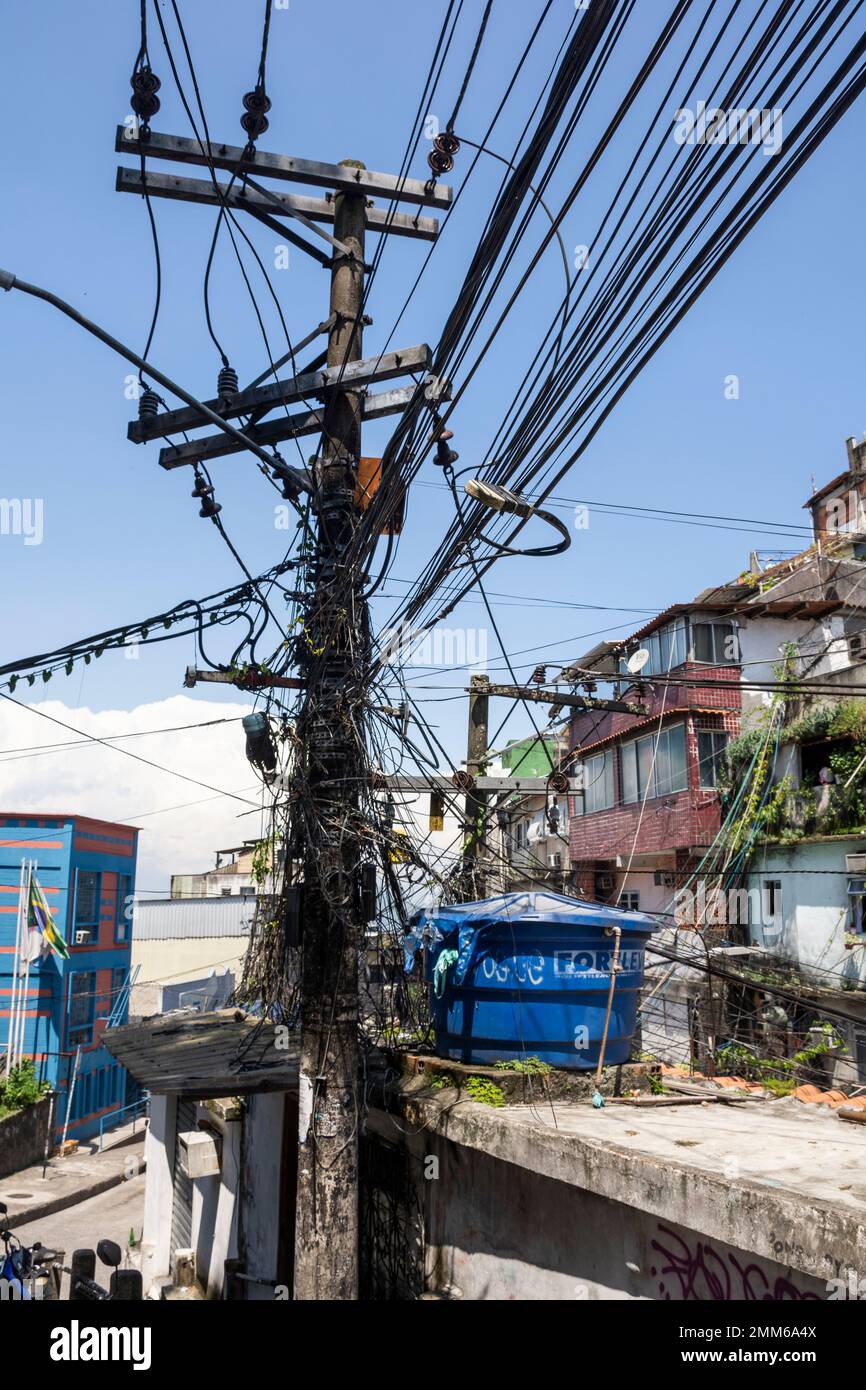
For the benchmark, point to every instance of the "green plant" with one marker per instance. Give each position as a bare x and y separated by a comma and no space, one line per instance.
443,1081
485,1092
21,1088
393,1035
777,1074
528,1066
262,859
778,1086
738,755
656,1084
773,817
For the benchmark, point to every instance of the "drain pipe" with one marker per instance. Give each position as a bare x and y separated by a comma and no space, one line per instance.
597,1097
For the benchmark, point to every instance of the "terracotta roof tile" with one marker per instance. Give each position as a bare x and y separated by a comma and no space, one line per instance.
810,1095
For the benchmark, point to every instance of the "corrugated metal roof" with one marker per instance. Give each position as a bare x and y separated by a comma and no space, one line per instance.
174,919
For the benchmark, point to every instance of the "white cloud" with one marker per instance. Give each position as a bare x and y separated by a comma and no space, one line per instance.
96,781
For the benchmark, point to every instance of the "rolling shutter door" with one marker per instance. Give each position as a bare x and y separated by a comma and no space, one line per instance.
181,1207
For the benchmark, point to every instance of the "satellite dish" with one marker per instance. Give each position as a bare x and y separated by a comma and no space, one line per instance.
638,660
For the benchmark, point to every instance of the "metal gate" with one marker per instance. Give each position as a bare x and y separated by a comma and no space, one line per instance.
181,1206
392,1253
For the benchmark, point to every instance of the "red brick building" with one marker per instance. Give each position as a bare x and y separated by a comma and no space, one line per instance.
649,806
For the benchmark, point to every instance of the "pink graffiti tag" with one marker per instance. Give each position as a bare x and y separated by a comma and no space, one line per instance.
704,1274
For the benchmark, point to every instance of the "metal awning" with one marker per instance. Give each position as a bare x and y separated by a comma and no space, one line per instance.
204,1055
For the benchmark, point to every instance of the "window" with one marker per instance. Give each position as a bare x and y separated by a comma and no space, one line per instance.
597,792
630,902
711,754
436,819
636,768
669,774
857,905
666,647
772,895
82,998
715,643
86,898
123,908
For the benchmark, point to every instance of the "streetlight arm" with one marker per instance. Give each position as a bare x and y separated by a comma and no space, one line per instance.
8,281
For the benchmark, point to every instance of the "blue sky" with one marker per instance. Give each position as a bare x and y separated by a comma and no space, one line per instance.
123,539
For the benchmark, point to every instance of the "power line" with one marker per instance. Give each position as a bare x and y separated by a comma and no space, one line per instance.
125,751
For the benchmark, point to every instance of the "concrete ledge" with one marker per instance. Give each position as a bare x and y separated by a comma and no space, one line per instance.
798,1195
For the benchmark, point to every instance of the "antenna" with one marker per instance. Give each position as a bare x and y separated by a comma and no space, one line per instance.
638,660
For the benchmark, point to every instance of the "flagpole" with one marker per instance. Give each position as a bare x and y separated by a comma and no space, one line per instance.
13,993
70,1095
26,941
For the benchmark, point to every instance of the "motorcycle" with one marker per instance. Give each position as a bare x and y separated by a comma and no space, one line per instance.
28,1271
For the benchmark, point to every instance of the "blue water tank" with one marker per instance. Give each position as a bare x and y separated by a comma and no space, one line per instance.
531,979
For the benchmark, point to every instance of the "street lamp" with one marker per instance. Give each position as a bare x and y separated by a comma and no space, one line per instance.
502,499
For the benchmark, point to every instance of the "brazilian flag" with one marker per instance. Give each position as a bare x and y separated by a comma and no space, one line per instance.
41,924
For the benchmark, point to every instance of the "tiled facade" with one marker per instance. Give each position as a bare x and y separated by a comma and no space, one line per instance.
670,826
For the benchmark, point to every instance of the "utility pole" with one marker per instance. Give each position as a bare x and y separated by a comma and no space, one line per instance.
330,653
326,1250
476,802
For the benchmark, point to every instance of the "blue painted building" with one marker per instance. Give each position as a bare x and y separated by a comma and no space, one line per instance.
86,869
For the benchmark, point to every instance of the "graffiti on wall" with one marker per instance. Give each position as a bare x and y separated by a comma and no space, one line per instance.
699,1271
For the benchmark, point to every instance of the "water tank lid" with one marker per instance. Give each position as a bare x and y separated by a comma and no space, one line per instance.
539,907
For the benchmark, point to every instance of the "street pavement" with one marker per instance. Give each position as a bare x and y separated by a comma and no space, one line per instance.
110,1215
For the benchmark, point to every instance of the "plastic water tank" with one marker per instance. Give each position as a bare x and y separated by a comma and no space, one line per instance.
532,977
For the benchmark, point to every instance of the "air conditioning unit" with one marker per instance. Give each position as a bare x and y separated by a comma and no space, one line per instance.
83,937
554,861
199,1153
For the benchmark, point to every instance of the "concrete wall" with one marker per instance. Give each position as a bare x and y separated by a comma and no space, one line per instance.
761,641
23,1135
236,1213
500,1231
665,1021
814,916
159,1158
259,1228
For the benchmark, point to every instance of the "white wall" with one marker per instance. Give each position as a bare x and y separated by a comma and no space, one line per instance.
259,1233
814,917
761,644
439,848
168,962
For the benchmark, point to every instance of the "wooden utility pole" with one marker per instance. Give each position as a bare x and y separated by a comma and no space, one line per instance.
326,1242
476,802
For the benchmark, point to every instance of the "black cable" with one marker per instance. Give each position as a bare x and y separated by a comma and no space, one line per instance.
471,65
